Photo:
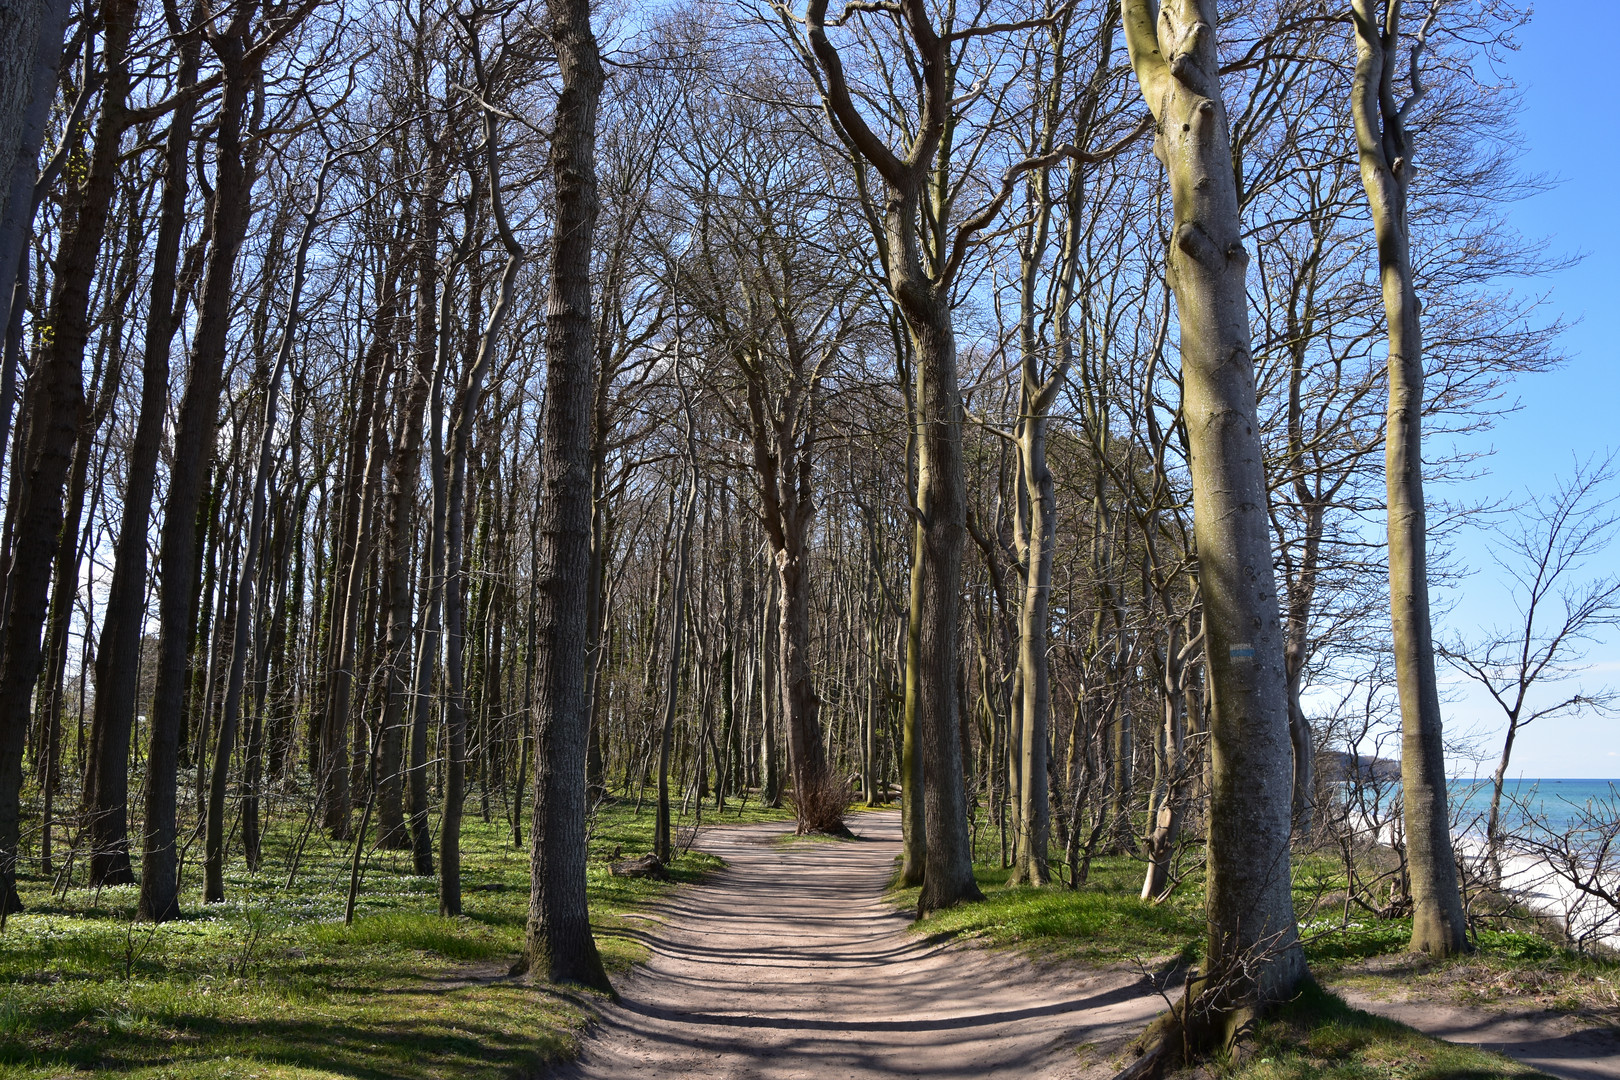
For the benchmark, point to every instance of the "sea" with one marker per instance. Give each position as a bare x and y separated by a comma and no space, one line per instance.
1557,803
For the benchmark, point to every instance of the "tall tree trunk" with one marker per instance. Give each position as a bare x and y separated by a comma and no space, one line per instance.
368,449
192,459
466,419
118,657
663,845
559,942
770,781
433,576
248,575
401,534
1438,925
1034,804
920,284
56,413
941,498
1253,951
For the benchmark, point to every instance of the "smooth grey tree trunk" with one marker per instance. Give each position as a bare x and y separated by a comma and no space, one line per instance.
1438,924
1253,957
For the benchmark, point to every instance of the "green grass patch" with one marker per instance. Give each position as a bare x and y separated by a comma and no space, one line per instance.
272,984
1104,921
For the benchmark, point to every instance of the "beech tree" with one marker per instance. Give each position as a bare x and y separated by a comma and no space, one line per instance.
1386,154
1253,952
547,440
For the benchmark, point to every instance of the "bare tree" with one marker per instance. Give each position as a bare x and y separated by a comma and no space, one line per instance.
1545,555
1386,168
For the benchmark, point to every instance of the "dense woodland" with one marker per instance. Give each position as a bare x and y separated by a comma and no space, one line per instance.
1016,410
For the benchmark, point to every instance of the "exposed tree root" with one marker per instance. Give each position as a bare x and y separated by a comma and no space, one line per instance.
1203,1022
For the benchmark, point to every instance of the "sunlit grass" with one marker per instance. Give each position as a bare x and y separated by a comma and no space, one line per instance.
1103,921
272,984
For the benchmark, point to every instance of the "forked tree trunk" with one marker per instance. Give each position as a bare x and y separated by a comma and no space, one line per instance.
1438,925
466,417
920,285
1253,951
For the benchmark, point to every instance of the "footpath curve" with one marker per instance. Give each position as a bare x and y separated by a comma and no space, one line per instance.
789,965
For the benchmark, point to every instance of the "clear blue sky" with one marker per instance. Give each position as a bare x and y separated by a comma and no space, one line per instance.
1569,412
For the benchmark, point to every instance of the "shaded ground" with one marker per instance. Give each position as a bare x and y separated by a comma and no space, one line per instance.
790,964
1557,1045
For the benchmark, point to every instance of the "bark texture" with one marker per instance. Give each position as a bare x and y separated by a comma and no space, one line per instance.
195,442
118,660
1253,951
1438,925
920,284
52,421
559,943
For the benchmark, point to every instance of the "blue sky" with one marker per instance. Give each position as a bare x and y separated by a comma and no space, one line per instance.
1568,413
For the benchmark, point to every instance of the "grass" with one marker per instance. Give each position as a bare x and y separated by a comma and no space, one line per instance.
271,984
1106,922
1103,922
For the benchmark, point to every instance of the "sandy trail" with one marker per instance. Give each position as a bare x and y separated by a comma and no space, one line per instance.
789,964
1558,1046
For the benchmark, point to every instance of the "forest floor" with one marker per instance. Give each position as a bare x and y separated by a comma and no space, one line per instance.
1517,994
793,963
772,957
272,984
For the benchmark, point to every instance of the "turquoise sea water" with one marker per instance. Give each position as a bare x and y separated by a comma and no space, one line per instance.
1557,801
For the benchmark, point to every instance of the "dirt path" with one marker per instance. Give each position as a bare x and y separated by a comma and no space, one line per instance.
1554,1044
788,965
